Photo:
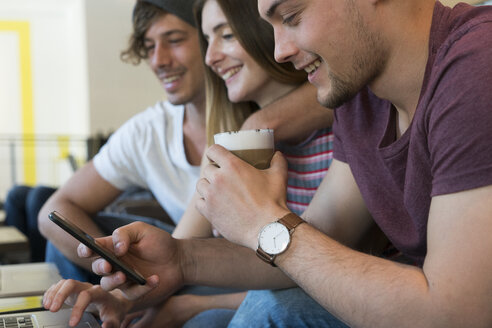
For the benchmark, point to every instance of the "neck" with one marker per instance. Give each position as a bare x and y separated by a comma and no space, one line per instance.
195,113
194,131
408,40
272,92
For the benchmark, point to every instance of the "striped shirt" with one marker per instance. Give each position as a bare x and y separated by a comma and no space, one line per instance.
308,163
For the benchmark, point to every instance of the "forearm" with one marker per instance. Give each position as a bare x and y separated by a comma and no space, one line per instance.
362,290
192,223
62,240
293,117
200,303
224,301
218,262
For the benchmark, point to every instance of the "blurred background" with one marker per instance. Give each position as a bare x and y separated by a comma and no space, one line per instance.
63,88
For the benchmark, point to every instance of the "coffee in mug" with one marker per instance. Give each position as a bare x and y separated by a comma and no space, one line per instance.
255,147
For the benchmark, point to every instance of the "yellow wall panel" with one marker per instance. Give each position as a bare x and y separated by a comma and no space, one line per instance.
22,28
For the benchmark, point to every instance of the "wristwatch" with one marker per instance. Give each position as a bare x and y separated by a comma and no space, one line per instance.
274,238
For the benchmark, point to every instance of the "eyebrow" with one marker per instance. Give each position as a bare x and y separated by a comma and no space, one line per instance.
273,8
219,26
216,28
170,33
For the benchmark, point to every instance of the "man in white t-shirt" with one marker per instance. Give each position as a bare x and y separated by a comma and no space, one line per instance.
159,149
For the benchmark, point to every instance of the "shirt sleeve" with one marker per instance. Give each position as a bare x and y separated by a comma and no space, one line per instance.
338,151
117,161
459,119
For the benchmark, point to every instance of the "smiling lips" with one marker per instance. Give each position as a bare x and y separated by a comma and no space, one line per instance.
230,73
233,71
313,66
170,79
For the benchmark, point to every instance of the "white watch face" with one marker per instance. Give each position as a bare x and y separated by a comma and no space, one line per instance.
274,238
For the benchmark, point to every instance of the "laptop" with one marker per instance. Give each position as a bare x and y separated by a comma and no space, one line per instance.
45,319
27,279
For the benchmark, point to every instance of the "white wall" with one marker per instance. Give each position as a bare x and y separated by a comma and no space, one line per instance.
118,90
58,66
75,83
46,85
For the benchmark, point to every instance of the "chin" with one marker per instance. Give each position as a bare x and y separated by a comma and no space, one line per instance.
234,98
337,94
177,99
324,97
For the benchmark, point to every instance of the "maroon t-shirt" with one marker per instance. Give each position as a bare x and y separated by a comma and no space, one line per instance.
448,146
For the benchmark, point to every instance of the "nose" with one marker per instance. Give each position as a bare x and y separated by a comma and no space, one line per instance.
285,48
160,56
214,54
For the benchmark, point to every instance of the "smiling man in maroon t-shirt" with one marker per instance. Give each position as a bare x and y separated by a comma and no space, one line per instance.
410,81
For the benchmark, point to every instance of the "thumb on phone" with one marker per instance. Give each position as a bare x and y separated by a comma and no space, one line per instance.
85,252
124,236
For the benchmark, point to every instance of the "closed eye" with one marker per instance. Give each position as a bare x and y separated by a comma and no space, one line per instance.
228,36
291,20
174,41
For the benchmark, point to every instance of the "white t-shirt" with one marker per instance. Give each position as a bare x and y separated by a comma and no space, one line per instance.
148,151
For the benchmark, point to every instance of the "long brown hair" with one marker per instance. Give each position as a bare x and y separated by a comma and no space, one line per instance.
256,37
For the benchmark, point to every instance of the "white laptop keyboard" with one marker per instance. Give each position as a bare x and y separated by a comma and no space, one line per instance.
16,322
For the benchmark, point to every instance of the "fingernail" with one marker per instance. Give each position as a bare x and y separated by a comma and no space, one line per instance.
120,278
118,246
153,281
72,321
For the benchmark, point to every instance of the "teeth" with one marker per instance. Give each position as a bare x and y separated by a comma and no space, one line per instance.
171,78
311,68
230,73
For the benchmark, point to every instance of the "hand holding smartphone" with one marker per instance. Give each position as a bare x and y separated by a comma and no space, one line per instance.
87,240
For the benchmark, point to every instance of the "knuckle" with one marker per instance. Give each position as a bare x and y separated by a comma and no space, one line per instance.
70,282
84,293
95,288
219,178
117,232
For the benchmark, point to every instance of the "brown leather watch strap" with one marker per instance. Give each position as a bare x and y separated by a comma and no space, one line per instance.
291,221
265,256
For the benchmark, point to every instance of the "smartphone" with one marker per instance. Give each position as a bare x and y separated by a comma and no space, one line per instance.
88,241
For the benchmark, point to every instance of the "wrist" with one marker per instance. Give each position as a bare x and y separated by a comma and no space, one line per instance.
187,262
276,237
282,259
198,303
272,217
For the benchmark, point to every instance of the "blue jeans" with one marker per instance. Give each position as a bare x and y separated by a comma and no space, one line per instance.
216,318
266,308
68,269
22,206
